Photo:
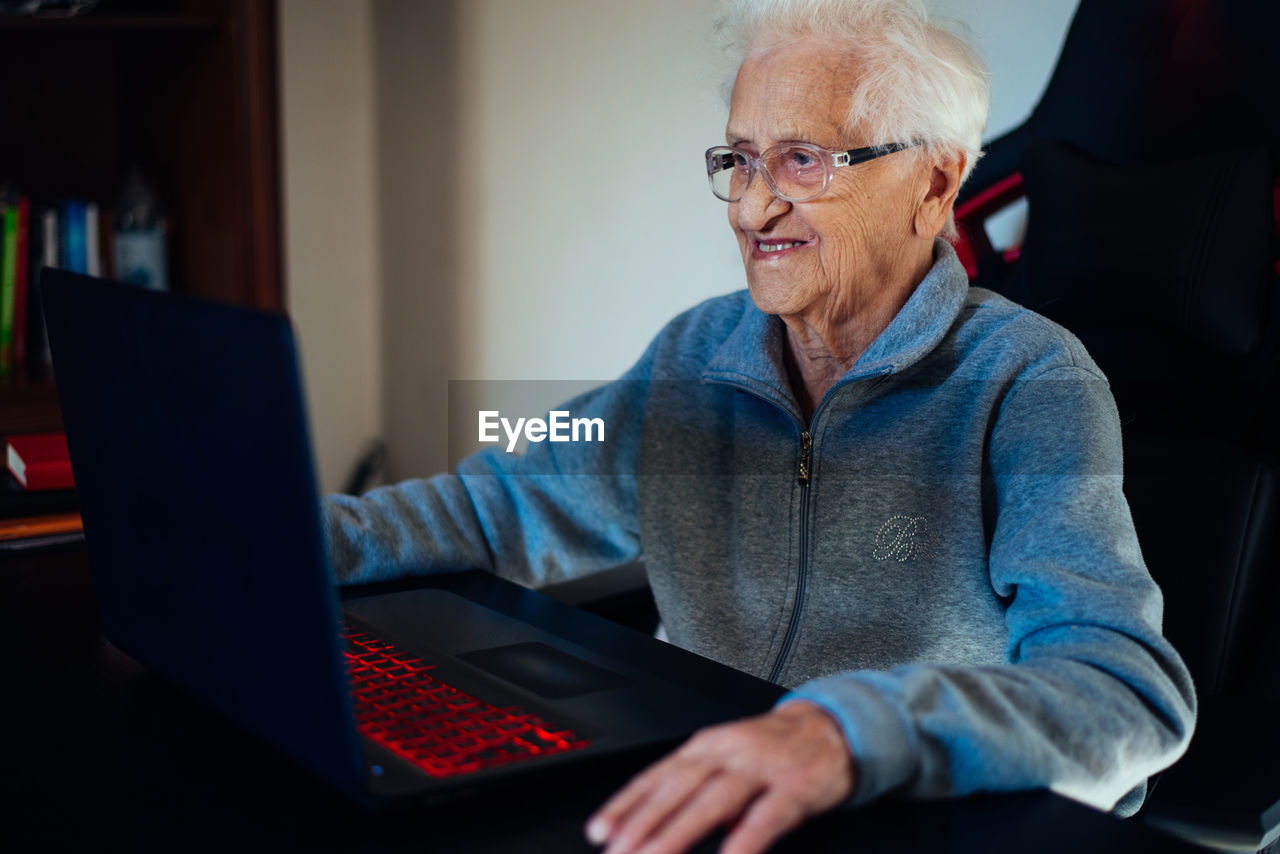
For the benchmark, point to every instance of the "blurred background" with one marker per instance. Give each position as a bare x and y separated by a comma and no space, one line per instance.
484,190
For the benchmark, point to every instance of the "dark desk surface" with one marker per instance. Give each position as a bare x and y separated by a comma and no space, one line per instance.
102,754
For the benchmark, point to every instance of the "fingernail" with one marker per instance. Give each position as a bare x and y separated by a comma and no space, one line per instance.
597,831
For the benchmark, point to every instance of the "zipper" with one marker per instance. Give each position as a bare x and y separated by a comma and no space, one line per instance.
802,477
806,448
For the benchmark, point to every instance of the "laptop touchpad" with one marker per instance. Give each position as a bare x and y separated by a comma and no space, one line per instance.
543,670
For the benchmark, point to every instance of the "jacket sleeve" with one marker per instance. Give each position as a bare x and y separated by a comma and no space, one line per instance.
1090,699
558,511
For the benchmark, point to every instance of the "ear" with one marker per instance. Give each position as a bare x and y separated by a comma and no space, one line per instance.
940,196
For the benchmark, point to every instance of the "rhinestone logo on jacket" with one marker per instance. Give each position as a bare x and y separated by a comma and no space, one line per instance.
903,538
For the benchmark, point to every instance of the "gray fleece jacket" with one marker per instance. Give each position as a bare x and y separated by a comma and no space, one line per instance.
942,556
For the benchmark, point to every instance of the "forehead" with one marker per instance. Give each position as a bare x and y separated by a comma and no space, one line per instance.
799,90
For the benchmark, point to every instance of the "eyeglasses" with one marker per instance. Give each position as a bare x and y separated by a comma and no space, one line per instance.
794,171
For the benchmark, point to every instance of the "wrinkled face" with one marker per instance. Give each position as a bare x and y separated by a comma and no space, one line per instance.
835,253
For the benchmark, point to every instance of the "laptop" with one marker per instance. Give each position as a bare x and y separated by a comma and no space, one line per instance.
187,430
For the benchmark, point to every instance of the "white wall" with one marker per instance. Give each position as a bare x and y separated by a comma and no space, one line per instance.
423,188
591,224
1021,40
543,203
331,222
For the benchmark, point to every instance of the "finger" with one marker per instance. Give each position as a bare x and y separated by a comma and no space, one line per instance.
720,800
601,825
665,796
766,821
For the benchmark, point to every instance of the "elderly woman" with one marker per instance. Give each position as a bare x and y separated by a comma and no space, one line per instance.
860,478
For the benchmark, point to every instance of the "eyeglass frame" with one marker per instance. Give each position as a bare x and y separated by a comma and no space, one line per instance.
836,160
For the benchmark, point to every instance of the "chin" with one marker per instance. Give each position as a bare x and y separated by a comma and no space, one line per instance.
772,296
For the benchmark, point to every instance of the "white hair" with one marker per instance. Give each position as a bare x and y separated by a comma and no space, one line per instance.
921,80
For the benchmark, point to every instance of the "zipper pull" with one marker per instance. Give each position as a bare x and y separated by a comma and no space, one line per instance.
806,445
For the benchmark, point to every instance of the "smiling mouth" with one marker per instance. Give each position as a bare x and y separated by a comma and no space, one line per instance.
776,248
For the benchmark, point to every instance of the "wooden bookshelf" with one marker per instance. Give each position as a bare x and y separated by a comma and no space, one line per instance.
186,89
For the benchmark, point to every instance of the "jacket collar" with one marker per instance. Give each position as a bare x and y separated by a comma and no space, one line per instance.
752,356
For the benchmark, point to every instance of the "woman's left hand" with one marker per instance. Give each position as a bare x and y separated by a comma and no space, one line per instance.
764,775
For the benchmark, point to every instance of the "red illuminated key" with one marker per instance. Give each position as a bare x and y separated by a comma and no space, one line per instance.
442,730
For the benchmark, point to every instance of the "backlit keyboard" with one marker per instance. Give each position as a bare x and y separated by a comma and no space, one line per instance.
401,706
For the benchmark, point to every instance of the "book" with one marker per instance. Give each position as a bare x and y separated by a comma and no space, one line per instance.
75,250
33,526
16,501
8,270
43,239
92,255
21,286
40,532
106,249
39,460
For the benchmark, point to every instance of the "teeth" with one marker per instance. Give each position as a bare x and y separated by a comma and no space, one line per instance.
776,247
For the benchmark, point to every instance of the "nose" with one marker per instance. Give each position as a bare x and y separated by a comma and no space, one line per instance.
758,205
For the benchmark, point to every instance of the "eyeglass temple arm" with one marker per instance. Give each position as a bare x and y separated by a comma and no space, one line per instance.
718,160
871,152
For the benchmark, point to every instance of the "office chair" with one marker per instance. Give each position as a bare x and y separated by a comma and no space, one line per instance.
1149,170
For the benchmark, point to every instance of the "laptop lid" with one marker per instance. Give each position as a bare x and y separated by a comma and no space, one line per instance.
187,430
186,424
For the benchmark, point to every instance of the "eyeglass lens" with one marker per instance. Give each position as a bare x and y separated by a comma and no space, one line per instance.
798,172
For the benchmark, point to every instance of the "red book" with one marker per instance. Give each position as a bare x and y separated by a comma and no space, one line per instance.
40,461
